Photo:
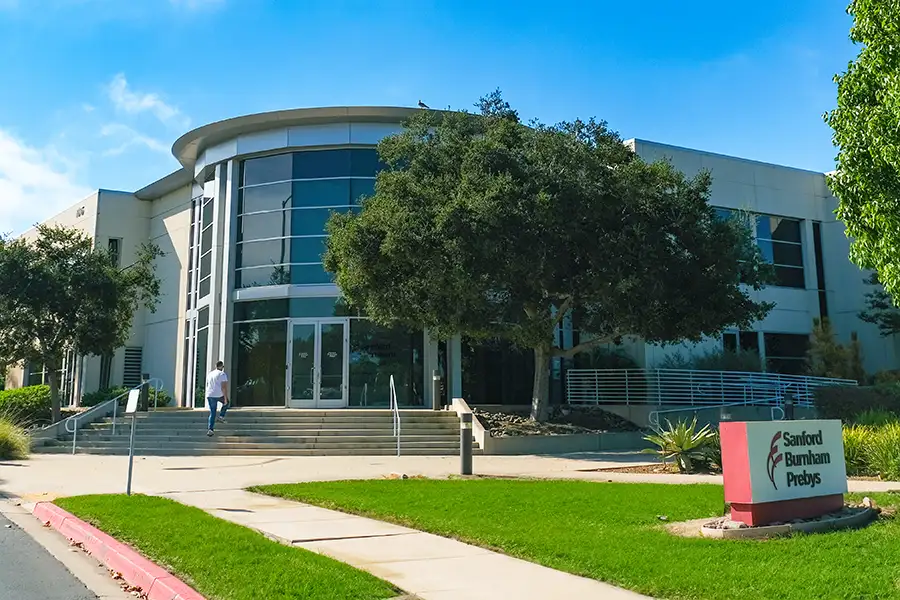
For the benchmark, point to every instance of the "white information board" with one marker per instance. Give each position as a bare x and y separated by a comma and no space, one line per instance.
795,459
132,405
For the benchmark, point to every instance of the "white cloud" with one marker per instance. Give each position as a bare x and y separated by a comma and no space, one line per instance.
88,108
131,102
35,183
128,138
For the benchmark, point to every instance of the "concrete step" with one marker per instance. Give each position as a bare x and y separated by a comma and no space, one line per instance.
275,439
213,451
275,425
214,442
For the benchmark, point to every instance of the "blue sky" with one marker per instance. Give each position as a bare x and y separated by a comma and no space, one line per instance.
94,92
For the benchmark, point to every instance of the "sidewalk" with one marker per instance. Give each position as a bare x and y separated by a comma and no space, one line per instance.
429,566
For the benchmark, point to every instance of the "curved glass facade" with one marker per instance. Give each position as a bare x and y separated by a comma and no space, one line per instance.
284,202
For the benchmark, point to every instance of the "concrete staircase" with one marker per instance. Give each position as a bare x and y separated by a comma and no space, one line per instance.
272,432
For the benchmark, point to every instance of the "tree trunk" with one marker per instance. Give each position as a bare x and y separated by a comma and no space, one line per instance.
53,381
540,391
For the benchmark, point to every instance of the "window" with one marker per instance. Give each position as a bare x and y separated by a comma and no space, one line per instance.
206,243
105,371
820,269
283,308
786,352
115,251
284,205
780,241
746,341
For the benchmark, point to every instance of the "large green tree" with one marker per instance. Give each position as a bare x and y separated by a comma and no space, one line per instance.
59,294
880,309
483,226
866,126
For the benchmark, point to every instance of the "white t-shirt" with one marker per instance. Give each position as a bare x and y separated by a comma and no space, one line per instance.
214,381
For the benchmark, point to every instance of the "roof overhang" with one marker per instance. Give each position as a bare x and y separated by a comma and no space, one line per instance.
166,185
191,145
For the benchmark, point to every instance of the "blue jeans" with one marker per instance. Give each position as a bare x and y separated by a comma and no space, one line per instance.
212,403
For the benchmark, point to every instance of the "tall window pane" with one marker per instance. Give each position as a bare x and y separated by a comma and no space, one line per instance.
257,254
264,225
307,250
378,352
267,169
260,352
309,274
265,197
313,164
323,192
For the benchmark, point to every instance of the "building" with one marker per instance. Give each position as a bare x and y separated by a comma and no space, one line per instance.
242,228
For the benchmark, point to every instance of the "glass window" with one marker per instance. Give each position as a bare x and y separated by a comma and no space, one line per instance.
313,164
206,265
206,239
778,228
282,308
264,225
260,355
360,188
203,317
308,249
309,221
207,212
204,287
729,342
265,197
790,277
260,276
365,162
267,169
324,192
257,254
378,352
786,352
200,366
782,253
309,274
496,372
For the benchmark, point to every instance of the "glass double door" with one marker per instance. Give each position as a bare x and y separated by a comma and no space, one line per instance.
317,362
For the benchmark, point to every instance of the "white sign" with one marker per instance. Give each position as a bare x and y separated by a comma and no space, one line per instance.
795,459
131,406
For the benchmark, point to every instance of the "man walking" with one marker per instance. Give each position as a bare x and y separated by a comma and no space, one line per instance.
216,391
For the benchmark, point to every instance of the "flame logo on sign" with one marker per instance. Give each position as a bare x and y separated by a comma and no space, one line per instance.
775,457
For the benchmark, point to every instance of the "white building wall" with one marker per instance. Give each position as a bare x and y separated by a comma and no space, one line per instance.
783,191
164,330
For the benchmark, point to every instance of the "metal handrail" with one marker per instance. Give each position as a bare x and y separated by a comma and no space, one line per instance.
653,417
395,411
154,383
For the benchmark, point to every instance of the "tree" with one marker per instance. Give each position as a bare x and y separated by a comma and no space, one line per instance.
866,126
59,294
880,309
483,226
827,357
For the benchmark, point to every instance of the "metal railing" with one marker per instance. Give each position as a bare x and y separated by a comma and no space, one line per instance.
691,388
395,411
72,423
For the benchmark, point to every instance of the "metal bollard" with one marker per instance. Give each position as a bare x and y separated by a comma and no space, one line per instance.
436,403
465,444
788,406
144,404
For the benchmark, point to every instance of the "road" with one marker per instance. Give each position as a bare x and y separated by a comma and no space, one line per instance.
29,572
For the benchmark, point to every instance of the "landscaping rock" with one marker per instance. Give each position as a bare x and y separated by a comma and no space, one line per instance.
563,420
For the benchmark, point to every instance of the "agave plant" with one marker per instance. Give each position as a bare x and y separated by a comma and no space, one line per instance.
690,447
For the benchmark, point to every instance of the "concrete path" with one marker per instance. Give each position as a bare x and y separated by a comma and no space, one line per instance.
429,566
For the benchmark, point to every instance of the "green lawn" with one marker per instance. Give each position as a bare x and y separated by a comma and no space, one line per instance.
221,560
612,532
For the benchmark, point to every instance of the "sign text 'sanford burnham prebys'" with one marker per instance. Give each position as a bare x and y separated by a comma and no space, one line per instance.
783,461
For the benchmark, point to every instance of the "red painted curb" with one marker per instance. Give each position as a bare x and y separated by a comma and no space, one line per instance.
154,581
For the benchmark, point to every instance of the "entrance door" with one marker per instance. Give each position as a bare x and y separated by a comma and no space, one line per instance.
318,363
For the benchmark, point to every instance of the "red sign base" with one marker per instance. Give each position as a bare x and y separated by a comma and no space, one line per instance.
766,513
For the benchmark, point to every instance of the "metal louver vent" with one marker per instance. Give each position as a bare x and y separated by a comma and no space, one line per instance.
134,358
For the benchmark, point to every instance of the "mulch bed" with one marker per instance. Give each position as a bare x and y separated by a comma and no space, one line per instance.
563,420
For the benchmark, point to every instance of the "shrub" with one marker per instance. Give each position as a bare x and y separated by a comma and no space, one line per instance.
715,360
847,403
876,418
691,448
101,396
827,357
14,441
882,452
886,377
601,358
27,406
856,445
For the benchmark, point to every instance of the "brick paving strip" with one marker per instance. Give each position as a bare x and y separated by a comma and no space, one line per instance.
151,579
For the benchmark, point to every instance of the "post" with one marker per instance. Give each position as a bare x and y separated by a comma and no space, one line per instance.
144,404
130,456
131,408
465,443
788,405
436,403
